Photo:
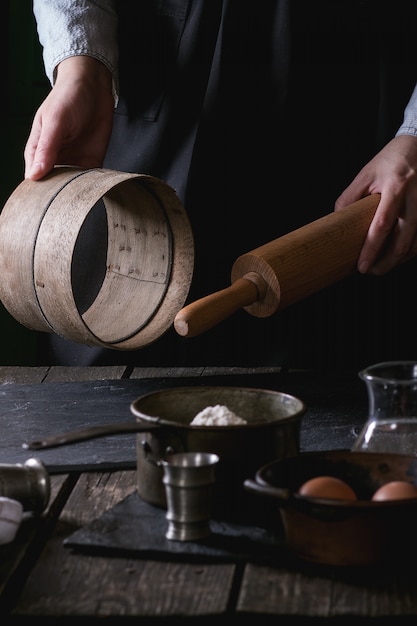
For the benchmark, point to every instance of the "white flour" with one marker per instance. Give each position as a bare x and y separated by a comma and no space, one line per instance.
217,415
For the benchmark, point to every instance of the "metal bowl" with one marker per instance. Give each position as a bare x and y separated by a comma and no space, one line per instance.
341,532
272,431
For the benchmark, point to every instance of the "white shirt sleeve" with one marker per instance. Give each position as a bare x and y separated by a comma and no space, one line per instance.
409,125
77,27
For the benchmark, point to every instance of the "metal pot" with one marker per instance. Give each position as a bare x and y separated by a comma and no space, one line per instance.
272,432
340,532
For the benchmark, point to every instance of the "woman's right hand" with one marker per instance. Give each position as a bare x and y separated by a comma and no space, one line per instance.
73,124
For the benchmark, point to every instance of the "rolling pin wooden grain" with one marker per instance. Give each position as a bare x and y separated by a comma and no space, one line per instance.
287,269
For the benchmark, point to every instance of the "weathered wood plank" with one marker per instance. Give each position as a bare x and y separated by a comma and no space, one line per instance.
226,371
162,372
94,586
95,493
65,583
311,593
281,592
180,372
75,373
21,375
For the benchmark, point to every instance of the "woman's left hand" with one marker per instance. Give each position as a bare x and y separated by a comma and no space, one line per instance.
392,234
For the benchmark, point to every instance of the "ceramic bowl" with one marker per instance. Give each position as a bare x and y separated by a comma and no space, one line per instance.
343,532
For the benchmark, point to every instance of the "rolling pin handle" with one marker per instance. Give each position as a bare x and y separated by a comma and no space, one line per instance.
203,314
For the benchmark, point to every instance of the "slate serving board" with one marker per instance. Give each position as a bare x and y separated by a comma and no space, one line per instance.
336,409
137,529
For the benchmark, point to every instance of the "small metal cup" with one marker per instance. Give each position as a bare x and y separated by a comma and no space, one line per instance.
189,478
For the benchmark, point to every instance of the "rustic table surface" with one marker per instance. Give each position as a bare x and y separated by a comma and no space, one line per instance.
40,577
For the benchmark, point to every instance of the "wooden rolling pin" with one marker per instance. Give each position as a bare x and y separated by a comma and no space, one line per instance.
286,269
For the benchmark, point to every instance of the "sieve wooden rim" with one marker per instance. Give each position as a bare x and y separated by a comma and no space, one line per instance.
150,256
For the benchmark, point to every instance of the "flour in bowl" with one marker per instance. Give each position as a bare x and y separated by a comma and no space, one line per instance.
217,415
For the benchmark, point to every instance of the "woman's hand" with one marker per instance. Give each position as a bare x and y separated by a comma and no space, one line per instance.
73,124
393,231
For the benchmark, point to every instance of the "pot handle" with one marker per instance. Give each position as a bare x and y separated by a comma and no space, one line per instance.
92,432
283,495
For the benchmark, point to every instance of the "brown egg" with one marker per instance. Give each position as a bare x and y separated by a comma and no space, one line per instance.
327,487
395,490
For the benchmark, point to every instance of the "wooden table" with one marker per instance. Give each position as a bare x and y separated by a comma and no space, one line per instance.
39,577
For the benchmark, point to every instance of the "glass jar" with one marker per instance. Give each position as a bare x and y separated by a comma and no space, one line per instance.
392,408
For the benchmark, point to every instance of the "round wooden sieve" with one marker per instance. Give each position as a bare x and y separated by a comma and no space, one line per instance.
147,265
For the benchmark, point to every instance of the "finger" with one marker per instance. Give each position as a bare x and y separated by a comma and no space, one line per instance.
42,150
30,148
379,231
402,243
43,161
